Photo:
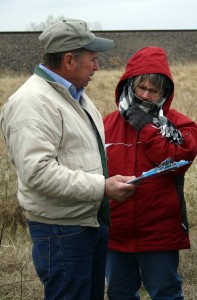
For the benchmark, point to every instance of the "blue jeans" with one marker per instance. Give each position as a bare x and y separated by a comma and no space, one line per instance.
70,260
125,273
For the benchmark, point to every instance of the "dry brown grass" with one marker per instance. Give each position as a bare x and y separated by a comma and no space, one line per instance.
17,276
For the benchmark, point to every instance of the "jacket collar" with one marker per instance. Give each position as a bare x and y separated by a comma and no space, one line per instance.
43,74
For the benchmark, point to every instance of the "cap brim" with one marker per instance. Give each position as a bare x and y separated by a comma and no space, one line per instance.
99,45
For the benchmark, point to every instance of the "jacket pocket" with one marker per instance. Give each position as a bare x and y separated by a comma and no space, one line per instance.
86,161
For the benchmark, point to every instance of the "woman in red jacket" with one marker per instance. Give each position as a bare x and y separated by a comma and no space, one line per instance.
148,230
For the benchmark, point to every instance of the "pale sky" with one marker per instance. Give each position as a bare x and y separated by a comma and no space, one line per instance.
17,15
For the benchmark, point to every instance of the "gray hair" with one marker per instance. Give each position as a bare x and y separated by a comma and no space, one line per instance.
159,81
54,59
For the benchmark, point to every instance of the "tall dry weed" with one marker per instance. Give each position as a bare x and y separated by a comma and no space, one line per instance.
17,275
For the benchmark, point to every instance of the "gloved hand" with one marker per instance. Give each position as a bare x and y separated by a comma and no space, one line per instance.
169,131
137,117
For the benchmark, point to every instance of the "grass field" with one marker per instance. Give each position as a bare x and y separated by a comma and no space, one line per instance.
17,276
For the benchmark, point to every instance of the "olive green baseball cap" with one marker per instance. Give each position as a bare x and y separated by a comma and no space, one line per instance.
72,34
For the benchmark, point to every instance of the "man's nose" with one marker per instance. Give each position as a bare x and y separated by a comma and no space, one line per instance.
96,66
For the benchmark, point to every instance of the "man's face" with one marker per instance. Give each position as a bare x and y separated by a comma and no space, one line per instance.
83,68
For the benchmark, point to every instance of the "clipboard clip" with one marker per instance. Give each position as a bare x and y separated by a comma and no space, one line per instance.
168,162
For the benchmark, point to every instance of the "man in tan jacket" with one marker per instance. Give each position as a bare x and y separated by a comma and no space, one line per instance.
55,138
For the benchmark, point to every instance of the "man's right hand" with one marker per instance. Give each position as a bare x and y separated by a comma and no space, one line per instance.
118,189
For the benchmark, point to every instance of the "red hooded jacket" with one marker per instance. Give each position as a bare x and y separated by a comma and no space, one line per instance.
153,218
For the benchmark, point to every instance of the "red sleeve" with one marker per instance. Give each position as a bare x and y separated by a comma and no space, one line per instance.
151,138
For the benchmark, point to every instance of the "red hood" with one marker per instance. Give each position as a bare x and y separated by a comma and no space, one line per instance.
148,60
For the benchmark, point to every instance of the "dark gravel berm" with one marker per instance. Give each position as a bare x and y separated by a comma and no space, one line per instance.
21,51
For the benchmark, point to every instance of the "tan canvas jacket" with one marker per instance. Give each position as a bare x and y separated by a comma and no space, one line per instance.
55,150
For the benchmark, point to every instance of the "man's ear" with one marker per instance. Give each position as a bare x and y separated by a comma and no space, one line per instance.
68,60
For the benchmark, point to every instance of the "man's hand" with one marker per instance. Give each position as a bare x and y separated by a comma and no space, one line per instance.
117,188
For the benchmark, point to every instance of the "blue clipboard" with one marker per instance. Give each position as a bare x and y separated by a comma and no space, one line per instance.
165,167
